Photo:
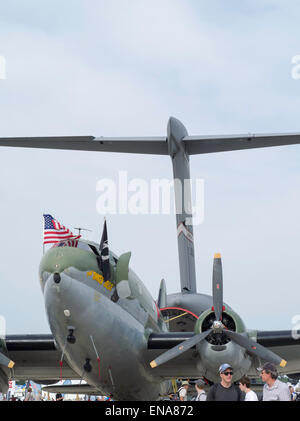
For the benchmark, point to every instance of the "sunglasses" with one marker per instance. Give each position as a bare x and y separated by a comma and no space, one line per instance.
228,373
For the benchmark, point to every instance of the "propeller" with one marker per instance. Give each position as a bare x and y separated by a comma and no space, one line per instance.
218,327
217,287
255,348
6,361
179,349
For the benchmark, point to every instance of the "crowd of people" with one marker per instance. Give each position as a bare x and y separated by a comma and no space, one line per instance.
227,390
224,390
30,396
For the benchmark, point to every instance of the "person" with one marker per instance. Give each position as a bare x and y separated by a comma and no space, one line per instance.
39,396
29,395
245,387
292,393
201,394
182,391
274,389
225,390
59,397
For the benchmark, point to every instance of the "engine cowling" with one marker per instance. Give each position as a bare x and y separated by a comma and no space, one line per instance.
217,348
230,319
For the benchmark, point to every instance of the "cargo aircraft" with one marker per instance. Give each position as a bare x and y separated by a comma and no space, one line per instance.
110,332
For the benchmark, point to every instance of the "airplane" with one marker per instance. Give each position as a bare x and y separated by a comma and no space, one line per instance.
110,332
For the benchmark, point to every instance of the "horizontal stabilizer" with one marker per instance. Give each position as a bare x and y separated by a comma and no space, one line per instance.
156,145
142,145
209,144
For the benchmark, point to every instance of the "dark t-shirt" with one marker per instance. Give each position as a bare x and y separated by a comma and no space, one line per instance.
58,397
220,393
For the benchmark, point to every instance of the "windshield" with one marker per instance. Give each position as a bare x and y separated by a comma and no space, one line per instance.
77,244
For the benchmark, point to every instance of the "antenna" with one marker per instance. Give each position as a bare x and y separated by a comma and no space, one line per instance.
81,229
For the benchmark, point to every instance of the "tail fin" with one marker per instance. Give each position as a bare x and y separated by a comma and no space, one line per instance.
162,295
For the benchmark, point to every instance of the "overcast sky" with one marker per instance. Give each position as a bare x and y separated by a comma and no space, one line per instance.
121,68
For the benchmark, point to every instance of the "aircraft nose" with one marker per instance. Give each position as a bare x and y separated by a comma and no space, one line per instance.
57,277
58,284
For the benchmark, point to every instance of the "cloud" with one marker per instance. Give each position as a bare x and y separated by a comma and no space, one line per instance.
122,68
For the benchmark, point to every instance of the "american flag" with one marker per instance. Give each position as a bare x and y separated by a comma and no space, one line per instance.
55,232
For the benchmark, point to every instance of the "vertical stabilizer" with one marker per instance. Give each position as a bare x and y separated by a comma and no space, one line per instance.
181,173
162,295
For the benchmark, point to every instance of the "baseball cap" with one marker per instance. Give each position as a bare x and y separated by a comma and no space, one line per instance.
224,367
200,383
268,367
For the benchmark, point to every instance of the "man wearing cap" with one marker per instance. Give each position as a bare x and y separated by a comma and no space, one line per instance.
201,394
225,390
182,391
274,389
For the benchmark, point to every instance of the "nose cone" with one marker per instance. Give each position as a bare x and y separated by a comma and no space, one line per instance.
65,260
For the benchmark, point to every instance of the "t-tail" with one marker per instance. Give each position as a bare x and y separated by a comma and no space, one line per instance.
182,187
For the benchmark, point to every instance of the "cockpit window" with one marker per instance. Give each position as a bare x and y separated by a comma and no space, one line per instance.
66,243
77,244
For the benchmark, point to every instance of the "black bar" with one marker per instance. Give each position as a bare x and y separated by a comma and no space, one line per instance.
30,343
167,340
277,338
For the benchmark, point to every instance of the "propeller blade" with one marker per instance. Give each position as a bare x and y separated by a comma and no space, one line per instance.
255,348
6,361
217,286
179,349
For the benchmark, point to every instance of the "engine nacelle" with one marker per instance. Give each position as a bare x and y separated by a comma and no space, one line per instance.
230,319
217,348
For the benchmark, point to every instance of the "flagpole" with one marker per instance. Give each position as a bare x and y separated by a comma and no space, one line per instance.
43,235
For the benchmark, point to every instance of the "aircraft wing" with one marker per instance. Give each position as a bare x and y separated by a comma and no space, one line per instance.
154,145
183,366
72,389
283,343
37,357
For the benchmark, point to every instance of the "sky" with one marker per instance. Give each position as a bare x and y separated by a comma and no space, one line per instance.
122,68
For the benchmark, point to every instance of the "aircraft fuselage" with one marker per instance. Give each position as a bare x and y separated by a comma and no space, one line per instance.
110,336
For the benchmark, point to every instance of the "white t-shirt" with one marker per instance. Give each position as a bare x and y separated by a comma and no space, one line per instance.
251,396
183,393
201,396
